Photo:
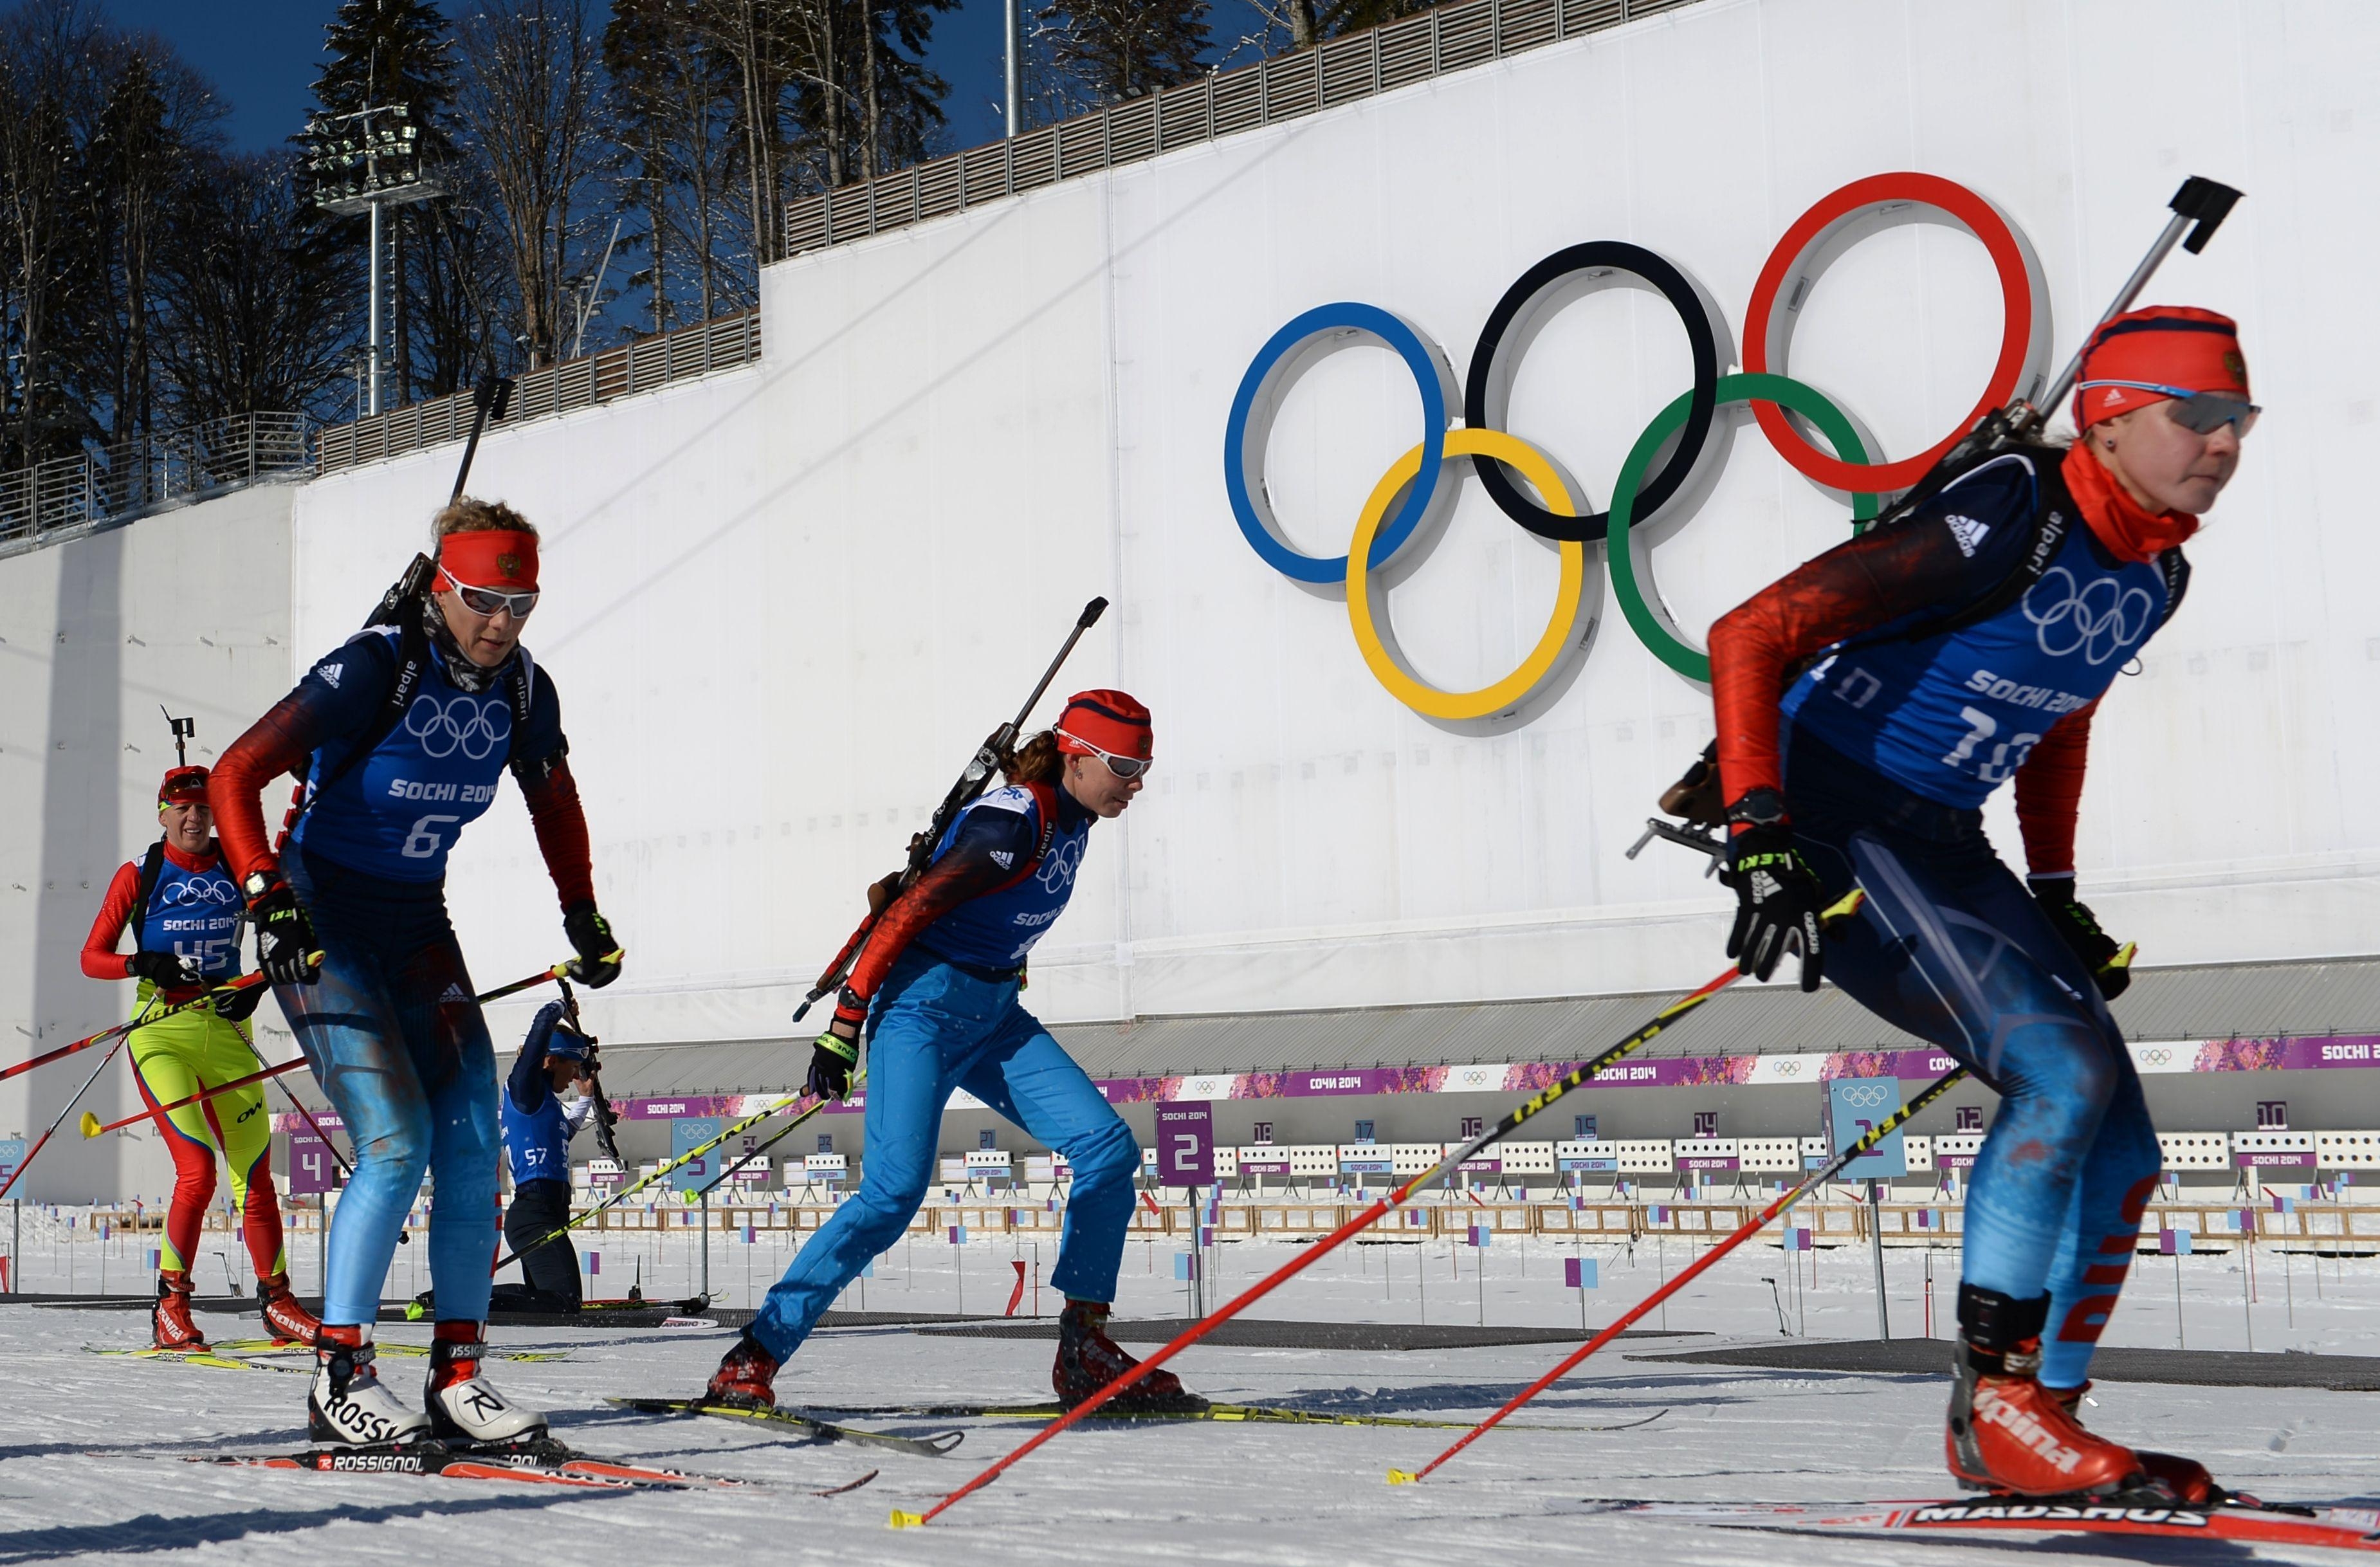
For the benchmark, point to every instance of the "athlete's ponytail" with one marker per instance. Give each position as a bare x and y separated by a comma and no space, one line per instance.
1036,761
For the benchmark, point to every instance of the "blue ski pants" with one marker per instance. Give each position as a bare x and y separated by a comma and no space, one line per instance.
1951,947
933,1031
396,1041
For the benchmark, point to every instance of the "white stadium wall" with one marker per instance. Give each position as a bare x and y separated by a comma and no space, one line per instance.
786,603
187,610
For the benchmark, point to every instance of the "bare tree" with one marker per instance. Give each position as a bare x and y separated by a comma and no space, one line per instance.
42,47
528,97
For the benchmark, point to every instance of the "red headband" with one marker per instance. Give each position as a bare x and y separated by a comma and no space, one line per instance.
1112,720
497,558
2171,345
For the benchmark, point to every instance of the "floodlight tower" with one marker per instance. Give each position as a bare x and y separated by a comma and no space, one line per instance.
361,162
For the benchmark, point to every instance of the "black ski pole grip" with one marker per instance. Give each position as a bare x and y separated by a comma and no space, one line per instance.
1091,612
2206,201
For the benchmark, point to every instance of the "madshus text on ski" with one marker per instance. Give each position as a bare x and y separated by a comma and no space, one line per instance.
1866,706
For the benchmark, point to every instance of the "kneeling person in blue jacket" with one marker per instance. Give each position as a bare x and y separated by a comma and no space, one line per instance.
539,1124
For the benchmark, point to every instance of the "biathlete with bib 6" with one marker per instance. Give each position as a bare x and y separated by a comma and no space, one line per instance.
401,738
183,910
936,990
1868,704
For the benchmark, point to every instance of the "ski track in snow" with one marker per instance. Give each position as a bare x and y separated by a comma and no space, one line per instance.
1213,1493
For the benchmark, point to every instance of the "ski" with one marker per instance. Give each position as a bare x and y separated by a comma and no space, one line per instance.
1251,1414
822,1430
2333,1528
543,1462
248,1354
214,1357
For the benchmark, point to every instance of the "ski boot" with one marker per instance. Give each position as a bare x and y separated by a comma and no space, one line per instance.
347,1403
288,1322
2184,1480
2009,1434
746,1377
169,1320
464,1403
1088,1360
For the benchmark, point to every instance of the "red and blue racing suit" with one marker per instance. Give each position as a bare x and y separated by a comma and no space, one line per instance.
1899,722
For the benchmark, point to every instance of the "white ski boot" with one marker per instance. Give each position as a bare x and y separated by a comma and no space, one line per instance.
347,1403
465,1404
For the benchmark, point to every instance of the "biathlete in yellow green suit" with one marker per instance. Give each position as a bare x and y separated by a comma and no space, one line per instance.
183,911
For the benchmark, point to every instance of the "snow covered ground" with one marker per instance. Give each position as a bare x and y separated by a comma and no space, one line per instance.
1184,1492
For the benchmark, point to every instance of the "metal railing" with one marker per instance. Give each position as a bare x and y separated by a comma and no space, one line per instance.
719,344
1361,64
170,468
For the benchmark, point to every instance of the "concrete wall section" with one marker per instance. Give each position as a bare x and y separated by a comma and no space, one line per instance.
191,610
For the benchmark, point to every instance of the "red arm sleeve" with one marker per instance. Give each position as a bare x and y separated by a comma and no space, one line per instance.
561,824
1876,577
279,742
966,870
100,958
2050,792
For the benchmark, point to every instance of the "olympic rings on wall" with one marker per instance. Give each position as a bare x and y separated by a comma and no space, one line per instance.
1290,353
1488,448
1833,226
1413,493
1516,319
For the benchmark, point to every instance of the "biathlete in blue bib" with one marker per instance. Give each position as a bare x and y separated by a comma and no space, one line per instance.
1867,704
936,989
401,739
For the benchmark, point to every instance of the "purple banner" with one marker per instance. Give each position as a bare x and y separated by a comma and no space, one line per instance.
1266,1164
695,1105
310,1170
1186,1143
1705,1161
2294,1161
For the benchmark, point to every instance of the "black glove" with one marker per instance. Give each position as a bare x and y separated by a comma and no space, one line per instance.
2074,923
831,1059
238,1006
597,963
284,937
1777,902
163,969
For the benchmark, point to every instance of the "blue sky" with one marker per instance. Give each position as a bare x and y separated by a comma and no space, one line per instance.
262,55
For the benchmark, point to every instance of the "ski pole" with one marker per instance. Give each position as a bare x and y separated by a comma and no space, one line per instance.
245,981
1864,1143
972,782
1536,1103
91,1127
35,1152
559,971
779,1135
625,1193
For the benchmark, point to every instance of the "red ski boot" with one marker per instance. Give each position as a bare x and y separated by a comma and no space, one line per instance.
746,1377
288,1322
2185,1479
1088,1360
169,1319
2008,1433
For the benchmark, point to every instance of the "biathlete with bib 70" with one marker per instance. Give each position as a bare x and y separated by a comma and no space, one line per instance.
1868,704
401,738
183,910
936,989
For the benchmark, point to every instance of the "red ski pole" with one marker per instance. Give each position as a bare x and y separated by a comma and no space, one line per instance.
1577,1077
244,982
1866,1142
90,1124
